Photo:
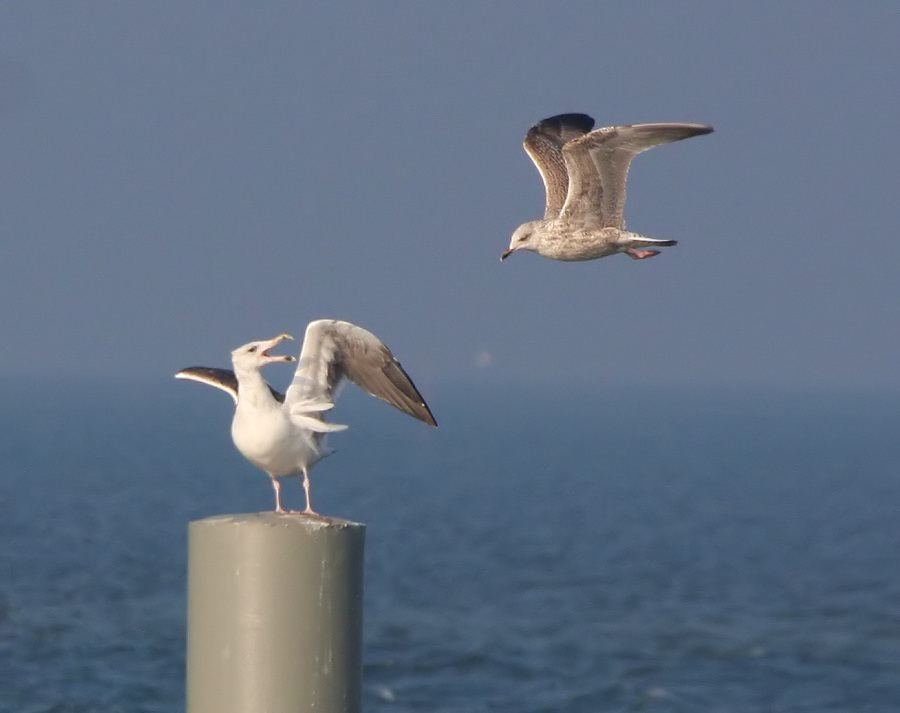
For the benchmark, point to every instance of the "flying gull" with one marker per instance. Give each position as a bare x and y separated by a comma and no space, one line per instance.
584,176
284,434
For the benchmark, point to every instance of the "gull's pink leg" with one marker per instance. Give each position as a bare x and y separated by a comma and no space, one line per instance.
308,510
637,254
276,486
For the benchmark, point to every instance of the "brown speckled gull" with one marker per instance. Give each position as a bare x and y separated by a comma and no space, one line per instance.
584,174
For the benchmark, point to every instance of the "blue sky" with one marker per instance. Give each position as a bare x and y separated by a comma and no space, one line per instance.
181,178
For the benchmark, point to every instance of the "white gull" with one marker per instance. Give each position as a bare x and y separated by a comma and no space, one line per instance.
284,434
584,175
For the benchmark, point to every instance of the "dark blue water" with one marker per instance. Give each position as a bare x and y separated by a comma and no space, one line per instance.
541,551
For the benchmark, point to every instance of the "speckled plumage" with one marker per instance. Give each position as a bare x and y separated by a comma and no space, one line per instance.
584,174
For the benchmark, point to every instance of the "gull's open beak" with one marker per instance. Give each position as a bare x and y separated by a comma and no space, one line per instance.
271,344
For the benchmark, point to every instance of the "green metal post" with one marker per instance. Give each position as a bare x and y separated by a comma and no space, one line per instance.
274,614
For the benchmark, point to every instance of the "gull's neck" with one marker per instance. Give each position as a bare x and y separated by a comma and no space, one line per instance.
252,388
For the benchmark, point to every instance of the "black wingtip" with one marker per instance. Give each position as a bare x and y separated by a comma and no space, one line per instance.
428,416
565,126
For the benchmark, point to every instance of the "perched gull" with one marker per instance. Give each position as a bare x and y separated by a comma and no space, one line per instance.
284,434
584,176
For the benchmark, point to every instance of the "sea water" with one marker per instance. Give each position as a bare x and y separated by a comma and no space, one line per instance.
543,550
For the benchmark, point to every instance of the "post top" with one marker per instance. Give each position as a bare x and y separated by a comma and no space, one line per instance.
274,519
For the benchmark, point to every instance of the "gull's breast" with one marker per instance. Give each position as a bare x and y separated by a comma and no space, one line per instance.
269,440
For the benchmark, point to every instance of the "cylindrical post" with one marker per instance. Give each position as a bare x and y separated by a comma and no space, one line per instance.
274,614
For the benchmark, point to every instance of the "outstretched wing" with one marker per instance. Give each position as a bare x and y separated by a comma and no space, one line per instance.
598,167
543,143
333,351
223,379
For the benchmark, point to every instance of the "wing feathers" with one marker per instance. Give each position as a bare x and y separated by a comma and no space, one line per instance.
334,350
543,143
223,379
598,165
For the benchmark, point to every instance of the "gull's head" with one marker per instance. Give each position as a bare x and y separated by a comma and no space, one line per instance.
255,355
524,238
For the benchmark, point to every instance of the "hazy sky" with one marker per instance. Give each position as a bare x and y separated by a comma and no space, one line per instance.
179,178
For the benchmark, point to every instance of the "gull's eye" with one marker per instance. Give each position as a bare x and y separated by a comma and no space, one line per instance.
252,350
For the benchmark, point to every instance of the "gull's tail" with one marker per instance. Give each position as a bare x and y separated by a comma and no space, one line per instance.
646,242
636,240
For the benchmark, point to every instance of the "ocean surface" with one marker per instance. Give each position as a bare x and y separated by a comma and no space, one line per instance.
543,550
